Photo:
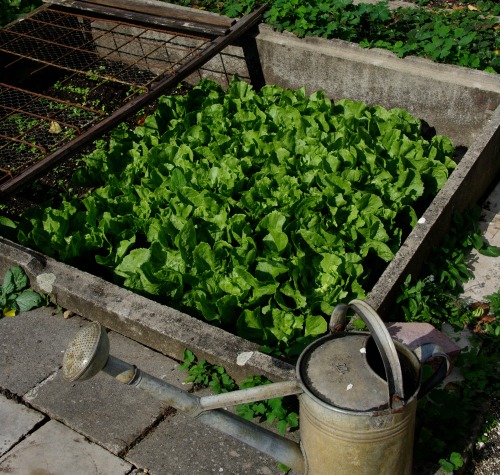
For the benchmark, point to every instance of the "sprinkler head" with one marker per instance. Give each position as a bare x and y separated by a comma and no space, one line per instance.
87,353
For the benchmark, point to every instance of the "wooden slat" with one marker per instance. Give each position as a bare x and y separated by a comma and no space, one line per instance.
142,18
167,10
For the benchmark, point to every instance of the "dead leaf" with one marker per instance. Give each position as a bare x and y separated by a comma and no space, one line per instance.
55,128
487,319
479,328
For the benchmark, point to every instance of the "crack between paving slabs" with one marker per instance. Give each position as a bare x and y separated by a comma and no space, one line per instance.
37,426
19,400
166,412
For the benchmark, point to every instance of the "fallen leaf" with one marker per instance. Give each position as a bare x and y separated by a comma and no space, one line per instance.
472,8
487,319
9,312
54,128
479,328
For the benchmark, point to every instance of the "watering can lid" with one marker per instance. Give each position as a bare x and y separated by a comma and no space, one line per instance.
340,369
337,372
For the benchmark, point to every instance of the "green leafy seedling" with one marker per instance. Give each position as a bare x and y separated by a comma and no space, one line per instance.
455,461
279,411
493,328
15,296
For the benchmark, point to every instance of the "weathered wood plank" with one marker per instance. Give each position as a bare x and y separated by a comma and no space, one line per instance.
144,18
166,10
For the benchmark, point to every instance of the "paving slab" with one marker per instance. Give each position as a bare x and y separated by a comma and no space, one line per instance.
56,450
181,445
104,410
31,347
415,334
17,421
486,269
490,220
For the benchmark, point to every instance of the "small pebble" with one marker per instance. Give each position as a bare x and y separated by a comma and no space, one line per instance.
68,314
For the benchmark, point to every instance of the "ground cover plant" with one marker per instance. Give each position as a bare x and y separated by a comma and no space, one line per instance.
16,295
465,33
12,9
462,33
434,297
282,411
255,211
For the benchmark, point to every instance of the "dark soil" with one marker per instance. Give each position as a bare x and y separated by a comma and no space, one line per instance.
58,181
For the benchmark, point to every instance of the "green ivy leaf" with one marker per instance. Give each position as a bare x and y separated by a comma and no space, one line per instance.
490,251
28,300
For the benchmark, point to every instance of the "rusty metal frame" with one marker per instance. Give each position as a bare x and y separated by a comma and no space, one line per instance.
211,38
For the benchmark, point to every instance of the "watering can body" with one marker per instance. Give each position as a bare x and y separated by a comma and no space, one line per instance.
359,400
367,437
337,443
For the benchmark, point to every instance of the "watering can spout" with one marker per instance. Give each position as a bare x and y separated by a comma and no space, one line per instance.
88,354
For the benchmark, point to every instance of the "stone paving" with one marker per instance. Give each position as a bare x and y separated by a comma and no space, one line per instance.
486,269
99,426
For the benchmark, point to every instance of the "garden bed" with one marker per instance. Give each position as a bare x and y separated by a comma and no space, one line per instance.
171,331
344,70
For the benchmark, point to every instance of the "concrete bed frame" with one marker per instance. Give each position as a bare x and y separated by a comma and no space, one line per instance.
460,103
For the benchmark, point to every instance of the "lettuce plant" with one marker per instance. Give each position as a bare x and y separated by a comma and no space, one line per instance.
256,211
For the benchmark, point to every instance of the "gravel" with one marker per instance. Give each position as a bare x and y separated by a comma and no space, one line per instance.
486,459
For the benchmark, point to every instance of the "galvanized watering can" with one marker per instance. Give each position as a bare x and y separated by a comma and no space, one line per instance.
358,397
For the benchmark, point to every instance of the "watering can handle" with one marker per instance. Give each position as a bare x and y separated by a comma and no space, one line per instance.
383,341
429,351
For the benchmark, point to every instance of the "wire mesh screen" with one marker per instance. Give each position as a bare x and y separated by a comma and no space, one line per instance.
32,125
61,72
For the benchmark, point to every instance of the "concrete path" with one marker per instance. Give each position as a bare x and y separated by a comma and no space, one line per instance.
486,269
49,426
